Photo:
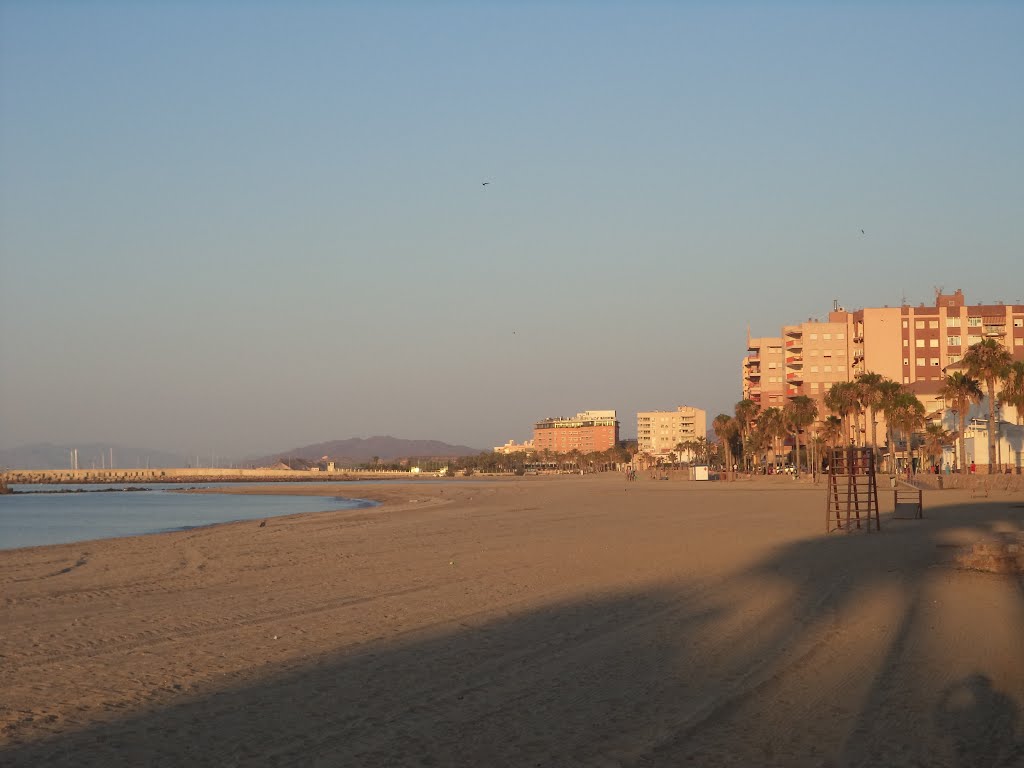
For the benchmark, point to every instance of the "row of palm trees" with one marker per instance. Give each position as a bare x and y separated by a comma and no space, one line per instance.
751,431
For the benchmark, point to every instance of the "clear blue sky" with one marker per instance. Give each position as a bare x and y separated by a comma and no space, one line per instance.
242,228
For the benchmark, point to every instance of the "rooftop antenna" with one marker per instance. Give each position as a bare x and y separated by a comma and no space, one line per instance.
903,299
835,305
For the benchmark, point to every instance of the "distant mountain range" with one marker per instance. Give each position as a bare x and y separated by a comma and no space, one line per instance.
90,455
358,450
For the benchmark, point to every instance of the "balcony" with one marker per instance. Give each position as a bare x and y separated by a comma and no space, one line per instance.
753,374
794,391
794,330
795,376
795,361
794,344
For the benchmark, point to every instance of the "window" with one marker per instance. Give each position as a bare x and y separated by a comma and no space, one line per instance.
953,341
1018,322
972,340
840,353
772,366
1018,342
840,367
827,336
922,362
919,324
952,322
933,342
935,362
973,322
814,337
840,335
814,369
904,323
906,361
814,353
828,369
933,323
954,359
814,386
920,342
906,342
906,379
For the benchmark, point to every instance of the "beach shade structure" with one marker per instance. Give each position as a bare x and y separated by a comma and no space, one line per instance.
852,500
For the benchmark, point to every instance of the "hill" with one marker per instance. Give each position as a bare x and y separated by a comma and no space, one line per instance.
358,450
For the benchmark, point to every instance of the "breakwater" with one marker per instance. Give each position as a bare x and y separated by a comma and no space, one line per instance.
190,475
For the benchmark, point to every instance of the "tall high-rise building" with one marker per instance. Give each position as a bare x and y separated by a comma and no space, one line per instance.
659,432
585,432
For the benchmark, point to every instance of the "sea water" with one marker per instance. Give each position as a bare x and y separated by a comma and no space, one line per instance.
41,514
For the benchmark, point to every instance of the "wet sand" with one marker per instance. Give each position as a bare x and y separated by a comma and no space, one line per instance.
569,621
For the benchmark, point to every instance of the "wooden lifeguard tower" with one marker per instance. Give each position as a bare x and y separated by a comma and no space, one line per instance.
852,501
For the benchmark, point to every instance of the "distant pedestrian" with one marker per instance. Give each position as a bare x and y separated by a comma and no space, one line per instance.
973,468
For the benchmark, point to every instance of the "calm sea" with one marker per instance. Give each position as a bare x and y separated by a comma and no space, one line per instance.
33,519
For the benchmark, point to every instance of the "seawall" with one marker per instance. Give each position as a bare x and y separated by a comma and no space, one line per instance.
190,475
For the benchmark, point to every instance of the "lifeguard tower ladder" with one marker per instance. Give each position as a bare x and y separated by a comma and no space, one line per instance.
852,494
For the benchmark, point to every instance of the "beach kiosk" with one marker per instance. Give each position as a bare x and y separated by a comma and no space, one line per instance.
699,472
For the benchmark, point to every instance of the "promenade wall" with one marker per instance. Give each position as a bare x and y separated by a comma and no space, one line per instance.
189,475
970,482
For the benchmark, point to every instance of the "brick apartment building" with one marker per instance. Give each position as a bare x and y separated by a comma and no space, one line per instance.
911,345
585,432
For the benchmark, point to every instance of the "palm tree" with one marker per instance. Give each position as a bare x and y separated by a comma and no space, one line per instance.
770,423
936,438
961,390
1013,388
746,411
869,393
832,431
702,450
989,361
890,392
903,412
725,427
799,413
843,399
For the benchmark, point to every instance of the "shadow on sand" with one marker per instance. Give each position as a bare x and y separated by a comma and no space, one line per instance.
651,678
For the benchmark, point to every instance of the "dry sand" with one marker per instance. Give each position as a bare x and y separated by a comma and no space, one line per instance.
573,621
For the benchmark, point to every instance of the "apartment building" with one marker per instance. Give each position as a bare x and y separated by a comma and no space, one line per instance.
659,432
513,447
585,432
913,344
807,359
908,344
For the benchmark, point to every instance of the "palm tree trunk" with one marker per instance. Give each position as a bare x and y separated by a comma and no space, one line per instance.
874,433
990,383
961,417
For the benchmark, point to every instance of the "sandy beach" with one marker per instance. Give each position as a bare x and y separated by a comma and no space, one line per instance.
567,621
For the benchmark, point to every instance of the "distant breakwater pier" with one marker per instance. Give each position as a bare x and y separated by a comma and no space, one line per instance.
191,475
